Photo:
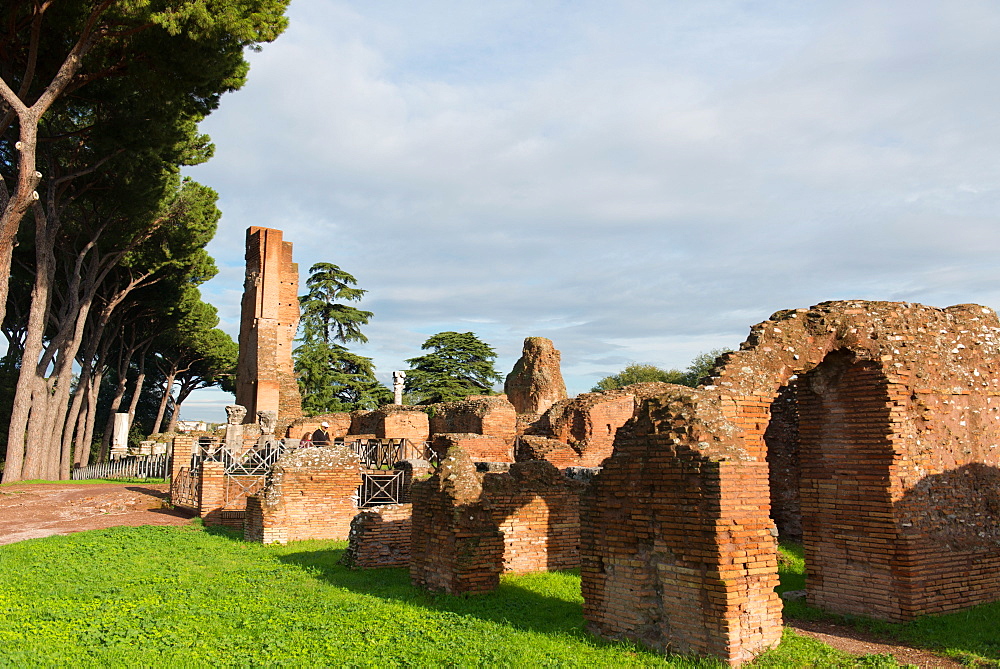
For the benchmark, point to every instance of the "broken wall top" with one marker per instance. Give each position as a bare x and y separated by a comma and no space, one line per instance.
916,345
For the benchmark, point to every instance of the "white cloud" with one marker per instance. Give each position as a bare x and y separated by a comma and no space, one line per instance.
617,176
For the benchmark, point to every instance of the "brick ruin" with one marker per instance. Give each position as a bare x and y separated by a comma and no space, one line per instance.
580,432
869,430
469,527
309,496
265,377
894,433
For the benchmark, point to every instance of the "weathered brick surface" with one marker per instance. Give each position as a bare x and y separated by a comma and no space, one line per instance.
536,381
559,453
455,546
340,425
538,511
585,426
380,537
898,407
393,421
310,496
782,439
675,545
468,527
492,416
479,447
265,378
223,498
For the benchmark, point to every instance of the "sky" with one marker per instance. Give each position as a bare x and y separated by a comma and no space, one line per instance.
639,181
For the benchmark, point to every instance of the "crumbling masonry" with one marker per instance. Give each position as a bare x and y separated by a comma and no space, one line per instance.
898,452
265,378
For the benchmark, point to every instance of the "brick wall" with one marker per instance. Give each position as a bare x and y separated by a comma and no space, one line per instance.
468,527
310,496
538,511
559,453
675,547
455,545
340,425
393,422
224,498
782,439
479,447
492,416
587,424
897,417
380,537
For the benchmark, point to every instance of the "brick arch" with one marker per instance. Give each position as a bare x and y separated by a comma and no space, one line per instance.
676,541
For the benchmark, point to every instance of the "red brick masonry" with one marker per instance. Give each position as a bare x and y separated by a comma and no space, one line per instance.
898,420
310,496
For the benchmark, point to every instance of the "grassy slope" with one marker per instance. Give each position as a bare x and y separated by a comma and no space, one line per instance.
158,595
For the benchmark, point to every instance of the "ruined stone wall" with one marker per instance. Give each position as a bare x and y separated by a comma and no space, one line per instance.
223,498
340,425
310,496
928,409
782,439
265,378
479,447
675,547
468,527
492,416
586,426
538,511
393,422
898,412
455,546
380,537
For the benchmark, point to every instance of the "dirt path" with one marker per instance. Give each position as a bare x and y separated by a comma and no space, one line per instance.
43,509
854,642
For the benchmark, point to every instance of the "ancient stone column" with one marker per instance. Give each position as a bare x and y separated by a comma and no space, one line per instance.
119,438
398,381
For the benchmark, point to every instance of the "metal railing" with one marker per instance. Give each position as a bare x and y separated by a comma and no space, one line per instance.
130,467
385,453
378,489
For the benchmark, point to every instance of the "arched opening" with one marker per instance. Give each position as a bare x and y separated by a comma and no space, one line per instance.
829,455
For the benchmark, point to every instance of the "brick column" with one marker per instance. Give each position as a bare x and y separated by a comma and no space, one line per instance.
213,492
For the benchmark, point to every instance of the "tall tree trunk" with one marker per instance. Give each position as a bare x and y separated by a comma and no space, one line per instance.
168,387
140,381
28,378
34,455
76,422
88,434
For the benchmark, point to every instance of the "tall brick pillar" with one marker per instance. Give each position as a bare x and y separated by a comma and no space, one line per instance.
265,378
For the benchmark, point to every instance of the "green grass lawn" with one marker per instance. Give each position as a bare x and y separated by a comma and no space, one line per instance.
189,596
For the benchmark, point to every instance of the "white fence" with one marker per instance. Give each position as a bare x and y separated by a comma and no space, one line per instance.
132,467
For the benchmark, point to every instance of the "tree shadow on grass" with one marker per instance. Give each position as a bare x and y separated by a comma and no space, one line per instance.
510,604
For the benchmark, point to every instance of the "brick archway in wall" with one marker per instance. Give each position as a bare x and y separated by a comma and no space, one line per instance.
889,399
